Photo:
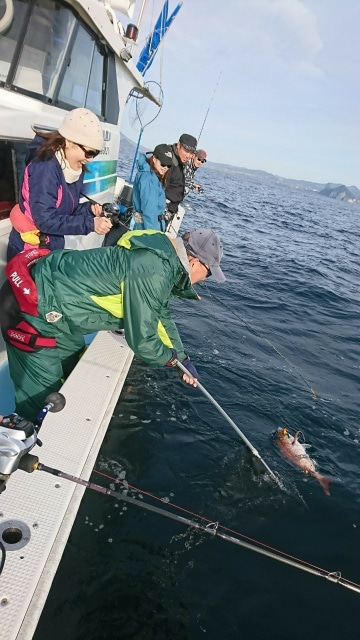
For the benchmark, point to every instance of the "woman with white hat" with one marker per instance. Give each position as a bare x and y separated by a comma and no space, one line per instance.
49,206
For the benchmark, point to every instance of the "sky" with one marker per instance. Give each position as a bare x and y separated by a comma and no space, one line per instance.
276,82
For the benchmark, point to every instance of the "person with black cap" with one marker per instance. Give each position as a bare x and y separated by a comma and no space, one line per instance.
183,151
68,294
190,167
149,199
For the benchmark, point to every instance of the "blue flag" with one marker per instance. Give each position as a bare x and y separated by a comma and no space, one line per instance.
162,24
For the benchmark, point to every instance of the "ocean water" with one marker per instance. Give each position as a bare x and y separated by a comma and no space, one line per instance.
285,323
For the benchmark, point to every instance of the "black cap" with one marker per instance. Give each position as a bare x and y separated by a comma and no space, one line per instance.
163,152
188,141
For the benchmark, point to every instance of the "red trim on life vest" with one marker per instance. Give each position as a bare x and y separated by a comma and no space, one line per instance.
25,337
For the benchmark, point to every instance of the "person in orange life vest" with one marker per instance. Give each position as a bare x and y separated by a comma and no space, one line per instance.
49,206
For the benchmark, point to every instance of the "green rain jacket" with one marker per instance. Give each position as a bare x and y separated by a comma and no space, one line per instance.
123,287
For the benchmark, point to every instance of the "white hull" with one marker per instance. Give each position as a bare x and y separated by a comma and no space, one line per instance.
44,506
37,511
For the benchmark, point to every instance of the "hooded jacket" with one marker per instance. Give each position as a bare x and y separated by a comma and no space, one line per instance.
123,287
51,204
148,196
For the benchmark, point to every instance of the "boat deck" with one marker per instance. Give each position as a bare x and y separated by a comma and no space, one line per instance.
37,510
43,507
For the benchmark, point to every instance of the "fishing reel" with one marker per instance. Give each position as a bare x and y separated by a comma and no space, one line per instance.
111,211
19,435
167,216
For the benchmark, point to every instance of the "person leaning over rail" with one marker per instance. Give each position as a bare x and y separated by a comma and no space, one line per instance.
190,167
49,206
183,151
52,299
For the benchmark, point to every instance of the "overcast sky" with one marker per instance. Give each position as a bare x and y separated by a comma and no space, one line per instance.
288,98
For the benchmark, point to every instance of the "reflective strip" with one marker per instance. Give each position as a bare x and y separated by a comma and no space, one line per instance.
164,336
114,304
125,240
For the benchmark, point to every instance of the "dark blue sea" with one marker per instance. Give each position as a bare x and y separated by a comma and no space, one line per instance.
286,321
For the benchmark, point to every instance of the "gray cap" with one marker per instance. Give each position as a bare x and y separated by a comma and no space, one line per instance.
205,245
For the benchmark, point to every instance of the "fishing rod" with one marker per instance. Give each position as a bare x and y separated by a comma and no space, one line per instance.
207,113
212,528
247,442
19,436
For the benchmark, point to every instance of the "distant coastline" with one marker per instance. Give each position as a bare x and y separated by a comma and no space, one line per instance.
330,190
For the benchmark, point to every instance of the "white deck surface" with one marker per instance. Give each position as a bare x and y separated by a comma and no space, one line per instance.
46,504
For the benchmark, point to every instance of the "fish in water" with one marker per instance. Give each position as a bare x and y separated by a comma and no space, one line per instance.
294,451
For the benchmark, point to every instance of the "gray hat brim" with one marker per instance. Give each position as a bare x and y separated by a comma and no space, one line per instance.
217,273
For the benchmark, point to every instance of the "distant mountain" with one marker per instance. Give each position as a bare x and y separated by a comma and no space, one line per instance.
330,190
341,192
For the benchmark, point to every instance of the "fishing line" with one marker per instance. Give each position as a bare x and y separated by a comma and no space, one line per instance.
207,113
260,335
212,528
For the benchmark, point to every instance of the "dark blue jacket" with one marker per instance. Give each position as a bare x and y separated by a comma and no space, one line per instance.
52,204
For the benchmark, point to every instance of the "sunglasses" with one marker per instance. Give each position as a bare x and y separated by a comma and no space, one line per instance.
208,271
165,165
88,153
202,161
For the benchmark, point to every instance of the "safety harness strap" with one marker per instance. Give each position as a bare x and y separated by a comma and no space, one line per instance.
25,337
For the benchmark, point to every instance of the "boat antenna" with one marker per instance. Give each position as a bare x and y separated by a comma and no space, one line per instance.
210,103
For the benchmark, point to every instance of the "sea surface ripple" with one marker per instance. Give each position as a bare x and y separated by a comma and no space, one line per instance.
281,329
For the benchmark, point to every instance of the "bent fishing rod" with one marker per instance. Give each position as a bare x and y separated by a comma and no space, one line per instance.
212,528
207,113
247,442
18,436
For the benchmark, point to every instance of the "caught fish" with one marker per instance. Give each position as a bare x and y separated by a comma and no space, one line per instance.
294,451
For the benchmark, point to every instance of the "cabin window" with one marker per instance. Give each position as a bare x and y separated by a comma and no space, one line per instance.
112,99
42,56
46,51
33,47
82,82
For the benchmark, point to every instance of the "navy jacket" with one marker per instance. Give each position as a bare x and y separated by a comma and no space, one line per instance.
52,204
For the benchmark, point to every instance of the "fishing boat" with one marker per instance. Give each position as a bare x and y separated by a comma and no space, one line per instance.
54,57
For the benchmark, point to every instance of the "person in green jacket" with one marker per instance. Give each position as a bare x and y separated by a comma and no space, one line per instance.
51,300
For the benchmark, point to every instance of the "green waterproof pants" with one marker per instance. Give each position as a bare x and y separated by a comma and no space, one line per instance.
37,374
